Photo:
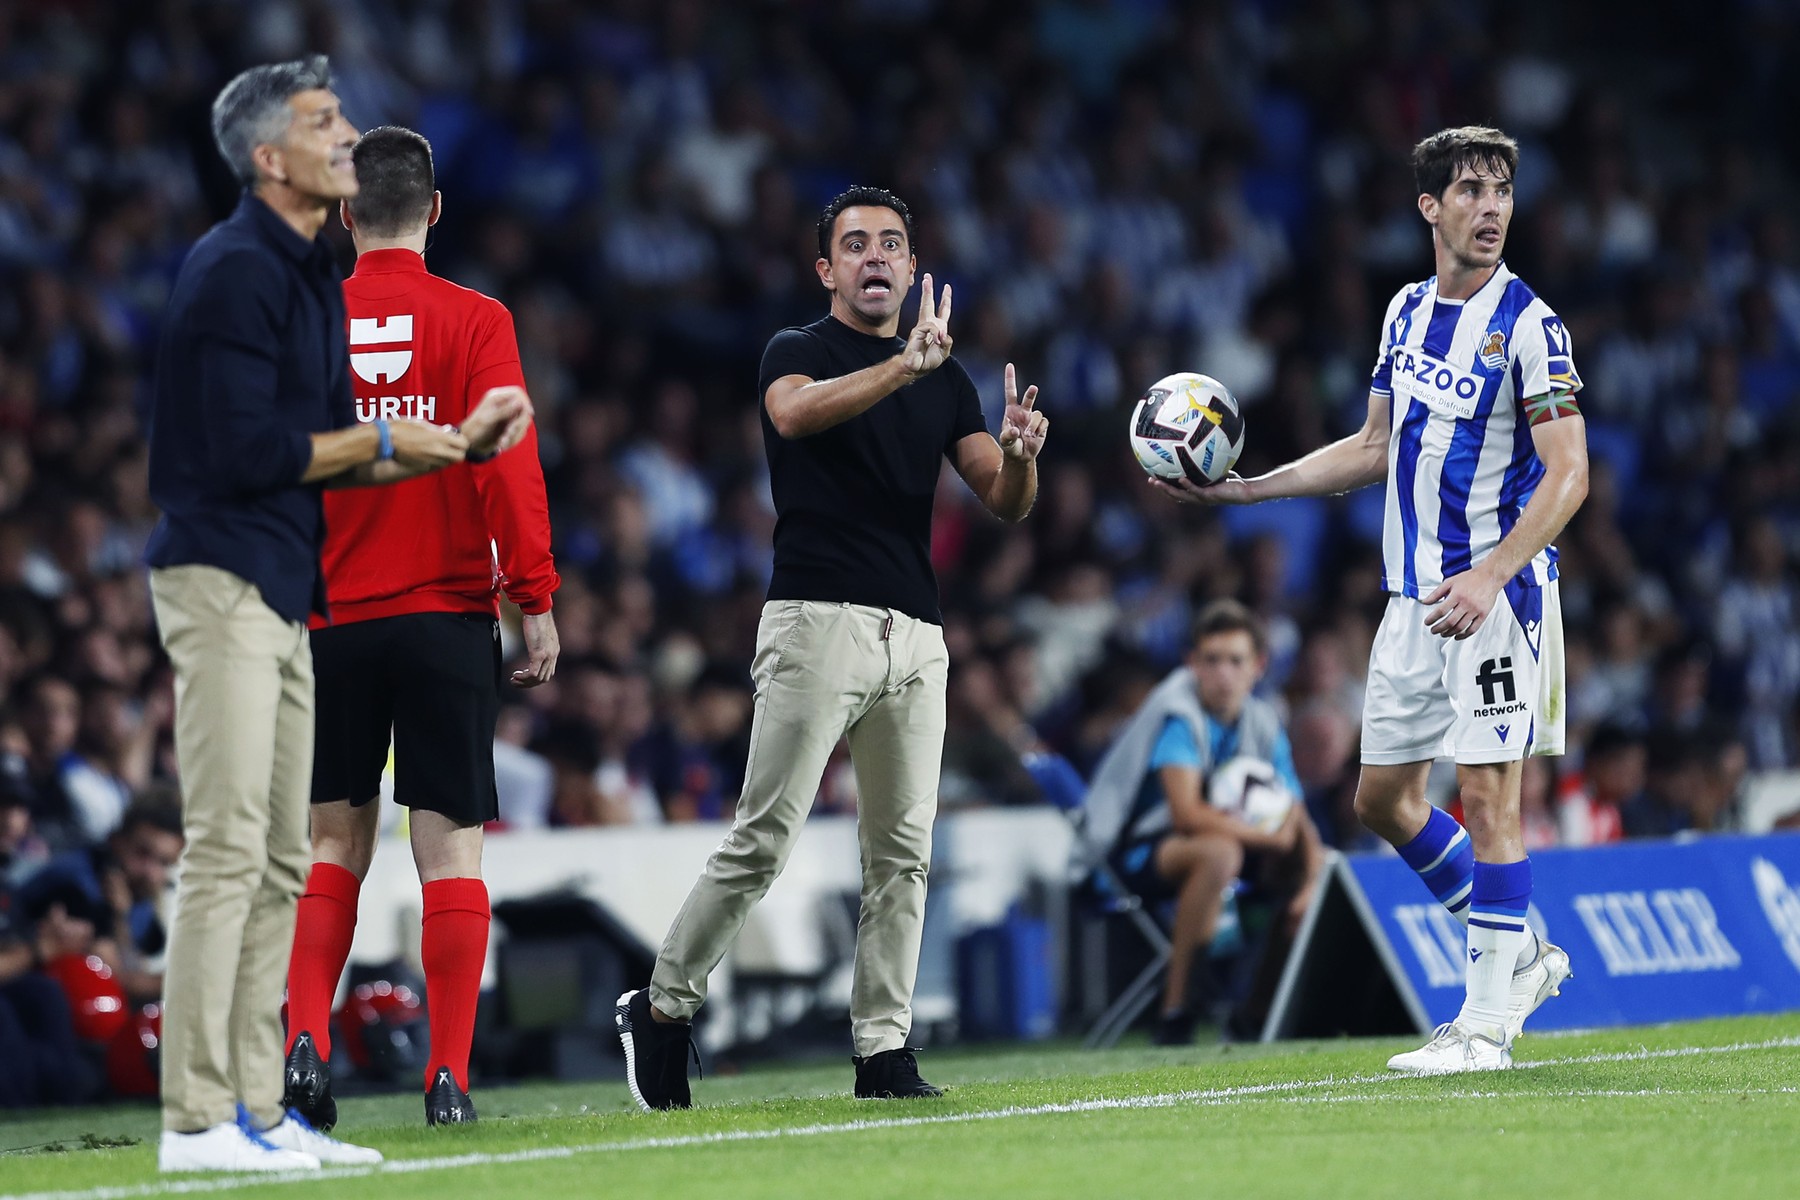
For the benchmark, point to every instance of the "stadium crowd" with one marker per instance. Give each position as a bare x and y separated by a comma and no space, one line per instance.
1115,191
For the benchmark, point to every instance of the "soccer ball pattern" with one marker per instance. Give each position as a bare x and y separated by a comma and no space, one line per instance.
1249,790
1187,424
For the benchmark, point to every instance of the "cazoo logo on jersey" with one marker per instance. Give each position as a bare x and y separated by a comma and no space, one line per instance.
386,366
1436,384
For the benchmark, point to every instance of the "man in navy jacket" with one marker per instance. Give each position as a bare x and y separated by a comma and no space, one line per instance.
252,416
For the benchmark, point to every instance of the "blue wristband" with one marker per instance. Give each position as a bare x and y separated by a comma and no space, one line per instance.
386,452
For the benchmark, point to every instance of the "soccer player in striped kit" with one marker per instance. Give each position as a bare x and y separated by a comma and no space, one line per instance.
413,574
1474,425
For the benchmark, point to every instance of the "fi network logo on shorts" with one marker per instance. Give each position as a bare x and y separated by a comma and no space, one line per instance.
1498,696
1781,904
385,367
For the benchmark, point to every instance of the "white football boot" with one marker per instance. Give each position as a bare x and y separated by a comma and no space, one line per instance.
293,1133
1534,984
227,1146
1453,1050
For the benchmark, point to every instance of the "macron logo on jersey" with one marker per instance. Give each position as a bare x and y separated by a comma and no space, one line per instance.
386,366
1558,361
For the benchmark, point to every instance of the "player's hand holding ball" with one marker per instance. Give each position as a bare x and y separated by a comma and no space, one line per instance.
1187,432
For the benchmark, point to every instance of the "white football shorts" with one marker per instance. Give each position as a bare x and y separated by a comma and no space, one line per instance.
1490,698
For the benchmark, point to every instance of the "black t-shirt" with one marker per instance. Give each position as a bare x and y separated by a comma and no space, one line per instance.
853,502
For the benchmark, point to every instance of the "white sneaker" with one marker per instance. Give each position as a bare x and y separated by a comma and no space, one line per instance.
1453,1050
293,1133
227,1147
1533,985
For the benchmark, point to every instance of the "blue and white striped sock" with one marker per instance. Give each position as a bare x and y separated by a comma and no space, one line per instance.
1498,936
1445,860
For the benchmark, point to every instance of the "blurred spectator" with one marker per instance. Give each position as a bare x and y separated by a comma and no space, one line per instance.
1325,741
119,891
1675,796
1591,802
45,1064
1759,642
983,739
1538,822
52,723
695,756
523,779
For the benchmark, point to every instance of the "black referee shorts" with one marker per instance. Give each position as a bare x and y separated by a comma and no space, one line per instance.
433,681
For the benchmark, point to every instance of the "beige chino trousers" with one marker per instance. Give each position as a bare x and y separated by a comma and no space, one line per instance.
825,671
244,740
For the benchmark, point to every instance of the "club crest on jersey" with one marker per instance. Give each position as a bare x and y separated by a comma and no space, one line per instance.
1493,351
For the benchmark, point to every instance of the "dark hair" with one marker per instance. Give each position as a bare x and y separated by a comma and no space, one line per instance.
1229,616
1440,158
394,181
1613,737
872,197
252,109
158,809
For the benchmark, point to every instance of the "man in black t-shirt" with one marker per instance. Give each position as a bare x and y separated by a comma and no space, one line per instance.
856,421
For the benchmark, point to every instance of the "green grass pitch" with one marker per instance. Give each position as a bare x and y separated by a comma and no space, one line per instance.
1700,1109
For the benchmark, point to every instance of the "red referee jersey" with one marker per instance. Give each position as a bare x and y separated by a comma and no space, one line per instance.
453,540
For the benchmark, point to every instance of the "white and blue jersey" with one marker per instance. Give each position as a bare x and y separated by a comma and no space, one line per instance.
1461,462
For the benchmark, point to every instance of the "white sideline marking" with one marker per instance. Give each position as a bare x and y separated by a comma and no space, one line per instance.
1573,1093
1203,1097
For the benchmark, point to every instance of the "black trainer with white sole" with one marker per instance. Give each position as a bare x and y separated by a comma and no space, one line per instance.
446,1103
656,1054
891,1075
306,1084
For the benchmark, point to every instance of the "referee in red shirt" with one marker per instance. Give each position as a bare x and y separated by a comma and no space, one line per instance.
413,574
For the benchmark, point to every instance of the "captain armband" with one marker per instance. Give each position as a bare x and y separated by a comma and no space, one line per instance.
1551,406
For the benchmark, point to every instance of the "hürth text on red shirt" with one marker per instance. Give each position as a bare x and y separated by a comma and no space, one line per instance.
396,408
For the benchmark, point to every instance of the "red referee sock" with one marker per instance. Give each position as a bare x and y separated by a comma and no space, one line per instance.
453,945
322,934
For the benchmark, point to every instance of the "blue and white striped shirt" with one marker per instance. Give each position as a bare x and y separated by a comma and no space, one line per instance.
1461,462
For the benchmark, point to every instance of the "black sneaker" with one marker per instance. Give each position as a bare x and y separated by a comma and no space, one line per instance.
656,1053
1174,1029
891,1075
306,1084
447,1104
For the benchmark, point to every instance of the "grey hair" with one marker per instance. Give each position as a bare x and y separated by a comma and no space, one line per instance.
252,109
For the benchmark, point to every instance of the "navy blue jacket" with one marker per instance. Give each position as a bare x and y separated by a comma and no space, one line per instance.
253,360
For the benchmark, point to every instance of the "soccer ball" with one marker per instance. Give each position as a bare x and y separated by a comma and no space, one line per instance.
1249,790
1187,424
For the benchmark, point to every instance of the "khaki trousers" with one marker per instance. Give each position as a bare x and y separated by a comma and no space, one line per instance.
244,739
825,671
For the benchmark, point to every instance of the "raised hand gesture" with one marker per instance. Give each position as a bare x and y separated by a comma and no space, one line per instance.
929,343
1022,429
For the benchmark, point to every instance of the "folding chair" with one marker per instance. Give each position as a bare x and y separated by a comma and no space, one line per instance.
1064,788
